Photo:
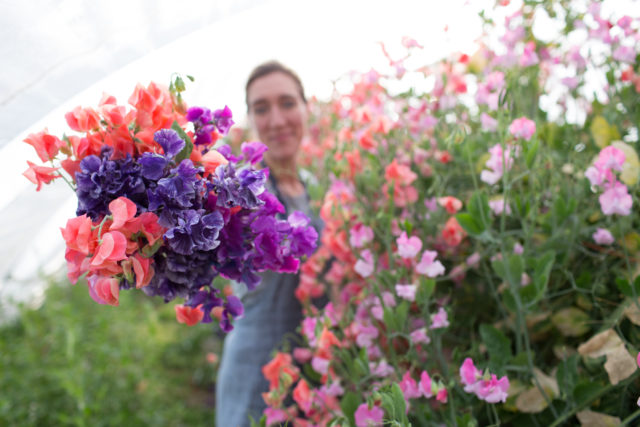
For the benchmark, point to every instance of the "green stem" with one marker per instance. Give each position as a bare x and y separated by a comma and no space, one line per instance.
630,418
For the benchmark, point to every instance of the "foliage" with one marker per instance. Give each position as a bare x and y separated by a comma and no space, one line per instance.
74,363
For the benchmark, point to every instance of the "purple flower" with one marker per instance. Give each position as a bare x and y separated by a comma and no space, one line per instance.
195,232
153,166
170,142
223,120
225,150
199,114
253,151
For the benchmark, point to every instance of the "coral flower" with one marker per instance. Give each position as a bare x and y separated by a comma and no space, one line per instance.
40,174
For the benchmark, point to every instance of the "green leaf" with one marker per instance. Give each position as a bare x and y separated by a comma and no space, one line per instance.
542,271
516,268
188,146
478,207
469,224
401,314
586,391
531,153
567,375
389,319
498,346
624,286
499,268
349,404
425,290
191,78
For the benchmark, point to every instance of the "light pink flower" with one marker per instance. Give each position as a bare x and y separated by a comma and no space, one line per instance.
522,128
616,200
333,389
365,265
602,236
610,158
473,259
420,336
429,266
309,329
570,82
495,164
366,417
409,387
489,124
518,249
450,203
382,369
320,365
302,355
595,176
495,80
407,292
366,335
524,279
439,319
431,204
408,247
498,206
360,235
625,54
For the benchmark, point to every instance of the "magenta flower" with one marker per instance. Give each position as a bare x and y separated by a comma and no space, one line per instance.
407,292
616,200
602,236
425,385
409,387
360,235
408,247
364,266
439,319
442,395
529,56
429,266
469,374
493,390
523,128
366,417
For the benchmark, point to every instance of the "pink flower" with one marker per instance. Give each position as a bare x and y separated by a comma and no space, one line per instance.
366,335
320,365
425,385
431,204
625,54
499,205
409,387
364,266
441,395
529,56
602,236
610,158
489,124
408,247
450,203
493,390
616,200
360,235
366,417
429,266
420,336
523,128
473,259
382,369
595,176
570,82
407,292
302,355
439,319
469,374
495,164
518,249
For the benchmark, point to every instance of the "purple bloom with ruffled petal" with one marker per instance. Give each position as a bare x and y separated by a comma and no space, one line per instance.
170,142
253,151
225,150
153,166
223,120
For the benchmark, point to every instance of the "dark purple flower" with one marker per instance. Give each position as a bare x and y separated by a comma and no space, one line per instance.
223,120
153,166
170,142
225,150
253,151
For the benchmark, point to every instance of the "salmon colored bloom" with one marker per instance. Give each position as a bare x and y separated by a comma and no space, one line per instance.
46,145
188,315
40,174
211,160
450,203
401,174
453,233
83,119
302,396
104,290
143,270
123,210
77,234
112,248
281,364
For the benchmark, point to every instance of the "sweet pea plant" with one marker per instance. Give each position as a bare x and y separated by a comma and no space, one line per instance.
480,251
162,208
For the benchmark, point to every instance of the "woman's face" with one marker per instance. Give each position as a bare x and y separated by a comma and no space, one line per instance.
278,115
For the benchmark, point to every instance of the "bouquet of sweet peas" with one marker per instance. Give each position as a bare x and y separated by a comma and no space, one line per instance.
164,209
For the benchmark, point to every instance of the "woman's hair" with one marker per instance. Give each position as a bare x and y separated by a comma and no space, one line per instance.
268,68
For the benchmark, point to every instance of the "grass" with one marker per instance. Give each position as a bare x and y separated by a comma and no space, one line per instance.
73,362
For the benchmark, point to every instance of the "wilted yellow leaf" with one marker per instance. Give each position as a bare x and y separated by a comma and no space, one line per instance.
633,313
571,322
600,344
549,384
601,131
531,401
596,419
620,364
631,166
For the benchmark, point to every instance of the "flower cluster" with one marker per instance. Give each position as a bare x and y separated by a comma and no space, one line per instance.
615,198
155,212
485,386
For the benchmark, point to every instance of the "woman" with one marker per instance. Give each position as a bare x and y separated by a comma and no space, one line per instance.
277,112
